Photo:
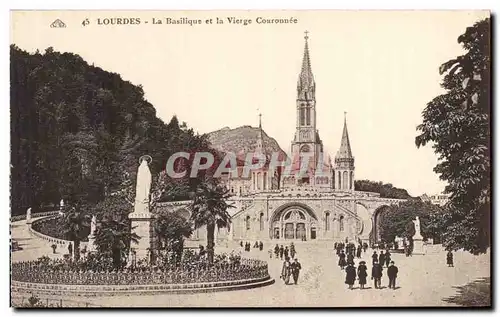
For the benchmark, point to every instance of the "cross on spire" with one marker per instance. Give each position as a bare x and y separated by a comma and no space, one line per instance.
306,34
260,119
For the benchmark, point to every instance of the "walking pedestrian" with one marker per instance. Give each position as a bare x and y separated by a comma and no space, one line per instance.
392,273
381,258
350,275
358,251
281,252
285,271
362,274
387,258
374,257
449,258
277,250
295,268
342,262
376,274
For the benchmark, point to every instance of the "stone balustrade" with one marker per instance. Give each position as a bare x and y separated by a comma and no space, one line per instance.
61,243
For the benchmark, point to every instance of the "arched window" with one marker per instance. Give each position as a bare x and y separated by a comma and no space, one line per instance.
345,180
308,115
352,181
247,222
261,221
302,115
264,181
327,221
341,223
338,186
258,180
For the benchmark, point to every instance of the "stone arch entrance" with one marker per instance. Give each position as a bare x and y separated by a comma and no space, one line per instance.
294,222
377,217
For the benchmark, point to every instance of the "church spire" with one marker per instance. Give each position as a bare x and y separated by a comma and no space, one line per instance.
306,85
344,151
260,138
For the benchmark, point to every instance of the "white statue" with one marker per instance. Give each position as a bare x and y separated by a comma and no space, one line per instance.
61,204
93,224
143,182
28,216
416,222
143,187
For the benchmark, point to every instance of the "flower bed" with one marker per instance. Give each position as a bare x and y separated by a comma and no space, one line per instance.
39,272
51,227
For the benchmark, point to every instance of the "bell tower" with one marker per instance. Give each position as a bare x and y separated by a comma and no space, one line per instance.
306,141
344,163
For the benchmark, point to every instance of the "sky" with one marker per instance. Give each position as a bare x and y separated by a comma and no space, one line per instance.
381,67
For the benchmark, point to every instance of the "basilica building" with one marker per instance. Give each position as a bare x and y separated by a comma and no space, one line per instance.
317,203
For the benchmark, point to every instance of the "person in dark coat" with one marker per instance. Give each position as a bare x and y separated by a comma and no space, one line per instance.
350,259
70,249
392,273
381,258
295,267
281,252
374,257
376,273
387,258
277,250
342,262
285,252
350,275
365,246
449,259
362,274
286,271
358,252
261,245
241,244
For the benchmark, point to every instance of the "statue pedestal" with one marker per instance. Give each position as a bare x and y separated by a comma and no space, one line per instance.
418,245
141,224
91,245
29,221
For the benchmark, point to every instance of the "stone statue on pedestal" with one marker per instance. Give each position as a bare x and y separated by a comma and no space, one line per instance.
28,216
143,187
93,226
418,243
141,217
417,235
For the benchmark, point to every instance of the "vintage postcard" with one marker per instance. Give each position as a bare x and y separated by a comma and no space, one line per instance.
250,158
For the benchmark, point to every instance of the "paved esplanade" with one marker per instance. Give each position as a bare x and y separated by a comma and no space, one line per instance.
423,279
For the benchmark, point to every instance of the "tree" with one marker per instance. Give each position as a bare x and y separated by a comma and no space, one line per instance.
396,220
209,208
76,225
457,123
385,190
114,234
171,228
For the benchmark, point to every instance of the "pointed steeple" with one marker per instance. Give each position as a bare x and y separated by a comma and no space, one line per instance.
306,84
260,138
344,151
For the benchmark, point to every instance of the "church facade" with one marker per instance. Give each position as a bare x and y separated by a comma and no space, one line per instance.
319,203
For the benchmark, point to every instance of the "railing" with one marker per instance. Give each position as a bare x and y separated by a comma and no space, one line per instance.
33,272
35,215
50,239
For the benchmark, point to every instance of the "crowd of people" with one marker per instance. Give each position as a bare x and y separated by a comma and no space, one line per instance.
247,245
346,253
290,268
